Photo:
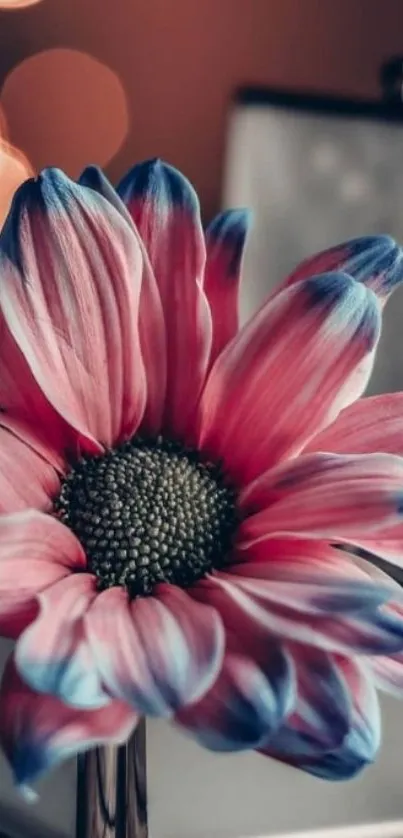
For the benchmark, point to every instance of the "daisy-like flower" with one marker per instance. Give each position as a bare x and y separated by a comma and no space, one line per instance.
173,490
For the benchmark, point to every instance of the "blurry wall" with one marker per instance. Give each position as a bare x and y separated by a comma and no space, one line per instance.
178,61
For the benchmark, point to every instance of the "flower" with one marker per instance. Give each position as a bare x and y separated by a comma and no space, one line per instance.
173,491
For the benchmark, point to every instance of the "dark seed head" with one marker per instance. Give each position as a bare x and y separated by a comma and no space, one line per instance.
149,511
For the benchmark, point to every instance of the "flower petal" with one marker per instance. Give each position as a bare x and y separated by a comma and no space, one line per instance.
156,653
69,296
94,178
254,616
386,543
312,578
26,480
53,655
35,552
361,745
38,732
321,718
25,411
151,316
166,212
376,261
305,356
245,705
225,242
287,557
388,673
308,592
365,427
326,496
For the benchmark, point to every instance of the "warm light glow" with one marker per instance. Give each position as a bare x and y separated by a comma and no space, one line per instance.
65,108
3,127
14,169
17,4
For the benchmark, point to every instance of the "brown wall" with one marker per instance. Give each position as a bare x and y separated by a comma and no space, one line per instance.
179,60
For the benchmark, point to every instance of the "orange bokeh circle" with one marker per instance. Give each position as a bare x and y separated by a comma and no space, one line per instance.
65,108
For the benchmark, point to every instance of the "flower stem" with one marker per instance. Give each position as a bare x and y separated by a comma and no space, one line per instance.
112,790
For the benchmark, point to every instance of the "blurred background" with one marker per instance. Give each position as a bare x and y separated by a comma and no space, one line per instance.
116,81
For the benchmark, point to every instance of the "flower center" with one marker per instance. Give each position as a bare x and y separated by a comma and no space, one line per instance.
149,512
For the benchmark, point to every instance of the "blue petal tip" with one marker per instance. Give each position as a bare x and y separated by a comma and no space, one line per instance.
155,180
329,288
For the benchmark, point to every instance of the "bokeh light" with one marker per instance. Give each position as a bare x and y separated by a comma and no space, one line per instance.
3,126
14,169
65,108
17,4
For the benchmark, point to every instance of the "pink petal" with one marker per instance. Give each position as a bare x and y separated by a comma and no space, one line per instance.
37,732
53,655
326,496
245,705
158,652
26,480
26,412
343,623
388,673
94,178
284,556
153,347
307,591
386,543
70,296
313,577
35,552
166,212
302,358
292,558
370,425
151,316
376,261
225,241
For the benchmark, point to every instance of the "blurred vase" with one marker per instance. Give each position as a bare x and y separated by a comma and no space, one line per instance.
112,790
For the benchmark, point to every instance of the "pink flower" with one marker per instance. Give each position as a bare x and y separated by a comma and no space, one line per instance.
171,490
